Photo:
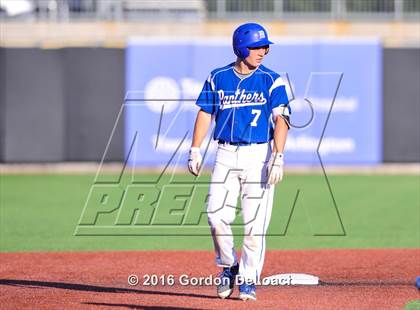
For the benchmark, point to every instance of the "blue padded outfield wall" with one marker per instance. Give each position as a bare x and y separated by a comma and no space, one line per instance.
163,78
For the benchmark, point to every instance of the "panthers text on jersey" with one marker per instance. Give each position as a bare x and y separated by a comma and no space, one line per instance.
243,105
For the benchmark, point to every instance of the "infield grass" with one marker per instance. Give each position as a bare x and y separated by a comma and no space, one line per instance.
412,305
41,213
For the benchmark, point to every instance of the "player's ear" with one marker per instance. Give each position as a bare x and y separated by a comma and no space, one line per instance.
267,50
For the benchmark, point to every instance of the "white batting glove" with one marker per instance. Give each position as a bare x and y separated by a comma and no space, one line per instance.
194,160
275,168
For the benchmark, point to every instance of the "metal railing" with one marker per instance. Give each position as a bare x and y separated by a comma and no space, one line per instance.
93,10
68,10
316,9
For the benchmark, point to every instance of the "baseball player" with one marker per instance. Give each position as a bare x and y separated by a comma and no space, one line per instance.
251,111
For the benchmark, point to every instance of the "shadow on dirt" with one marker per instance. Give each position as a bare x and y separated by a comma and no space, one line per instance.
95,288
367,283
130,306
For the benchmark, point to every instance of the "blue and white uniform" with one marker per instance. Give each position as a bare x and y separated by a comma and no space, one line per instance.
243,105
243,109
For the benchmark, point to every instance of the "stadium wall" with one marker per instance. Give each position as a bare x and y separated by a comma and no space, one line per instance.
2,102
94,93
33,105
401,105
62,104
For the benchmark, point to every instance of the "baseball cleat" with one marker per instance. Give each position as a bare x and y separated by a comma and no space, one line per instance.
227,281
247,292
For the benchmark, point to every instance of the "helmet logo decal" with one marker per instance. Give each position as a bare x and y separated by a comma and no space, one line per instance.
249,35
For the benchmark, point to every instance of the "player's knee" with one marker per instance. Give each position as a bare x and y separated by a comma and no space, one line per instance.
215,219
252,242
212,219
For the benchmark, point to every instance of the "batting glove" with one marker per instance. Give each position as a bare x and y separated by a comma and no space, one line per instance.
194,160
275,168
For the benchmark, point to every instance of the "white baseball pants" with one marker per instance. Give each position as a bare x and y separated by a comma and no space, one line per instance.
241,170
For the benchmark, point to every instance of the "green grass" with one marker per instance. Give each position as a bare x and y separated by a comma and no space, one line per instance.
412,305
41,213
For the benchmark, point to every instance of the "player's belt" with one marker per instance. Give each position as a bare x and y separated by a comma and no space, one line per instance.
239,143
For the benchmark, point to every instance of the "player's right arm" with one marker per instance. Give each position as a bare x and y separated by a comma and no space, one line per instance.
202,124
206,102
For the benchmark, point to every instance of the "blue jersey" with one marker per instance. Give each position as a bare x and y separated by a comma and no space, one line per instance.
243,106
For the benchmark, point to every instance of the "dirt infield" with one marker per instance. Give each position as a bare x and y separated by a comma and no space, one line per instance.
352,279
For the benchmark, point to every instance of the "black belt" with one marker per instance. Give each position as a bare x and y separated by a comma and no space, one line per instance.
239,143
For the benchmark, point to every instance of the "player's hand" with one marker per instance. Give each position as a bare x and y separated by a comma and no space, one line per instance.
275,168
194,160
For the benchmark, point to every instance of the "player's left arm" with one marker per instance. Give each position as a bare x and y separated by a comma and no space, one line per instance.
281,128
276,163
281,112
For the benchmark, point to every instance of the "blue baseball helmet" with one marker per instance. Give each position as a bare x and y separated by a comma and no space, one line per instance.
249,35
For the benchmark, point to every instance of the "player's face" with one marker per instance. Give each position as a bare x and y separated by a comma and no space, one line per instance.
256,55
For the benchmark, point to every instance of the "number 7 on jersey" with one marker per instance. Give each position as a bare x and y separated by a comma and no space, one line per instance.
257,114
